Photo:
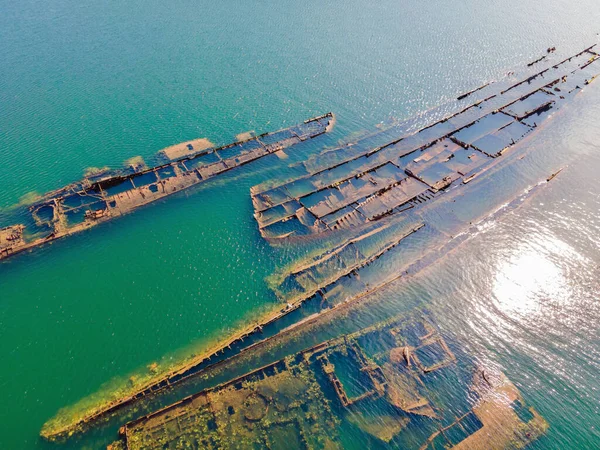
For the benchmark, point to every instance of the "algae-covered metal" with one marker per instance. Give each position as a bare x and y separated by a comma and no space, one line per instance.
98,199
279,406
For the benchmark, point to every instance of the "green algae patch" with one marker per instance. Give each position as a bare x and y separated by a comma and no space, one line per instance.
136,163
277,406
29,198
95,171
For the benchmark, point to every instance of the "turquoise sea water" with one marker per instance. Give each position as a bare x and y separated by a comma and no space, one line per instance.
92,84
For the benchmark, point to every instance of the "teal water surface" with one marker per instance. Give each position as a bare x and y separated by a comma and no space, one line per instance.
91,84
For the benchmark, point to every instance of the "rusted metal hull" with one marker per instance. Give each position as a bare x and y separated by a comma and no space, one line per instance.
377,185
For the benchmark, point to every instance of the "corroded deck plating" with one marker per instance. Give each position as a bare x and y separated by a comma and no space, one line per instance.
87,203
364,185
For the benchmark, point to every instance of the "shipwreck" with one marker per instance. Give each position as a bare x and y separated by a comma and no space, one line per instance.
364,202
396,382
97,199
357,184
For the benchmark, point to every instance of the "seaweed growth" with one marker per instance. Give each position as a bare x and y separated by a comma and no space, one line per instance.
277,406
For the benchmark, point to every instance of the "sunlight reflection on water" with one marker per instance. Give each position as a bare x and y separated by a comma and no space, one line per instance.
530,275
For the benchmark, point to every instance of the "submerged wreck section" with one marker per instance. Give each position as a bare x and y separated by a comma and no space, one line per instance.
94,200
10,237
359,185
327,273
397,382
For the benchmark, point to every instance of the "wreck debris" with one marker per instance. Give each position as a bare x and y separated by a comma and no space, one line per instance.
553,175
365,185
292,402
353,363
388,376
466,94
91,201
500,414
10,237
540,59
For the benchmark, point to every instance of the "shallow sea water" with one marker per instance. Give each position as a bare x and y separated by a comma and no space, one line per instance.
93,84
